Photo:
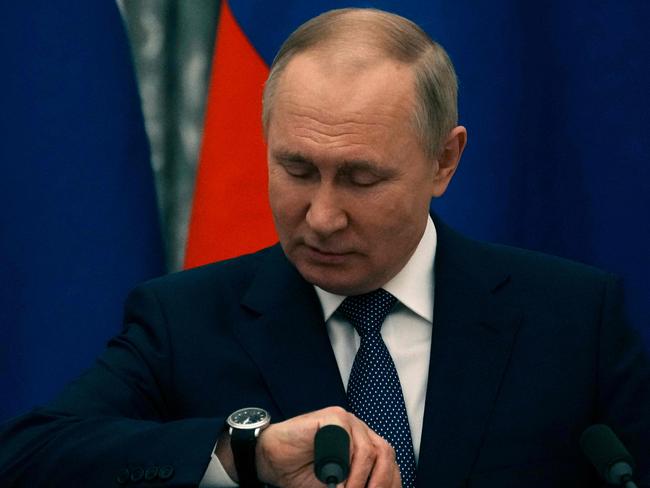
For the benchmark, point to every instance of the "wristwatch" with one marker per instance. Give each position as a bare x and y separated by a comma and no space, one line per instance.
245,427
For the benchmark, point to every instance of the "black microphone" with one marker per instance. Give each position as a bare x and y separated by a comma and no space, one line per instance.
331,455
608,454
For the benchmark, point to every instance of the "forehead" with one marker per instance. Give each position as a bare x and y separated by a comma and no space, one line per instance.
327,94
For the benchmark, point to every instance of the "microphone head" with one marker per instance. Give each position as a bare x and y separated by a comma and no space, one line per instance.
331,454
604,449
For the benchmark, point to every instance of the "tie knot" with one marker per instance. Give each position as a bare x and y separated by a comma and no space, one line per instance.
367,312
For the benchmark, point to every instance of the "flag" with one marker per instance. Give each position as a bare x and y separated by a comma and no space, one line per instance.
78,217
554,97
230,211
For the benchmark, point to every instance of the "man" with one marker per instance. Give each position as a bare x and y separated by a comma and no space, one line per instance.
501,357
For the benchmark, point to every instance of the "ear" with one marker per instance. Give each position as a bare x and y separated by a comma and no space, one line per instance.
448,160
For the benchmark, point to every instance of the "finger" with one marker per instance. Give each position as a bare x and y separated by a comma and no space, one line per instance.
386,470
363,454
334,416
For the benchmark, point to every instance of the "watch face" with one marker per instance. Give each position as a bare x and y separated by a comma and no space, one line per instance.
249,418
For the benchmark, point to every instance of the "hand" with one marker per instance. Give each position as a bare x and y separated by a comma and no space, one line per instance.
285,452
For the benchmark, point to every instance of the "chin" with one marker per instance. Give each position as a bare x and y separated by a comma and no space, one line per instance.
339,285
341,279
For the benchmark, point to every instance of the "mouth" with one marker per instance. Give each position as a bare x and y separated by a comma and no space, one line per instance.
325,256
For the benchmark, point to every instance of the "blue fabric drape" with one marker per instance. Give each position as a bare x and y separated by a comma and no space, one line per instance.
78,218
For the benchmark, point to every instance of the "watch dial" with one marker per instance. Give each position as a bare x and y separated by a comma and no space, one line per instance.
249,416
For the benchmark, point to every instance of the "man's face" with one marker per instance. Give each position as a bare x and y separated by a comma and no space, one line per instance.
349,183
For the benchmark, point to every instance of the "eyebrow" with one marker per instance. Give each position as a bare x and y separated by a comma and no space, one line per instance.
346,166
291,157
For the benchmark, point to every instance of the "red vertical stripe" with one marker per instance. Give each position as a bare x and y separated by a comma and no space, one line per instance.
231,214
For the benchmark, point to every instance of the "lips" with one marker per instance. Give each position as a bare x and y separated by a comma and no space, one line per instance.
326,256
327,251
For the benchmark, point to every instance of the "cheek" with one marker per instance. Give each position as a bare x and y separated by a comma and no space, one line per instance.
287,205
395,220
392,210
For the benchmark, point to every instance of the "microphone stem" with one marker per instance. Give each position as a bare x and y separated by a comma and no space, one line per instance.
333,485
628,484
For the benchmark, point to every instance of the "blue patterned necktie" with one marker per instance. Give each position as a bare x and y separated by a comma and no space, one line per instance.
374,391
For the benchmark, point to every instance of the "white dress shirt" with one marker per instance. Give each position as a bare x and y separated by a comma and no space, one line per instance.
406,331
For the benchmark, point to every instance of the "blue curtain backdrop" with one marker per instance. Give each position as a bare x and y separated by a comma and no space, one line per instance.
555,98
78,217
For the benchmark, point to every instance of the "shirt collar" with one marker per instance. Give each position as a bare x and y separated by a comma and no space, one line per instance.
412,286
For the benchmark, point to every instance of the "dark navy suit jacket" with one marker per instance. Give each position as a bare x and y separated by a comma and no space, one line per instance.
527,351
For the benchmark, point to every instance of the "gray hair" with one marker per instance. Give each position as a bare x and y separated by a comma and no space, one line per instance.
436,111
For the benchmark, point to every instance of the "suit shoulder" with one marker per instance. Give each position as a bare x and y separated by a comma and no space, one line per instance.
558,282
535,262
492,263
234,274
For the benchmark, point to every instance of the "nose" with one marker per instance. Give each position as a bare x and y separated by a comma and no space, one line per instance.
326,215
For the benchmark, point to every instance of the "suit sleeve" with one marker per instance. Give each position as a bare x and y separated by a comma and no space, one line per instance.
115,425
624,370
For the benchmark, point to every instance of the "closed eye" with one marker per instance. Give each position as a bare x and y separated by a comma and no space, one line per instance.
299,169
363,178
362,175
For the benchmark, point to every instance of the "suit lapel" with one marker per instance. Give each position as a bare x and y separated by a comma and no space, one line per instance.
286,337
472,340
